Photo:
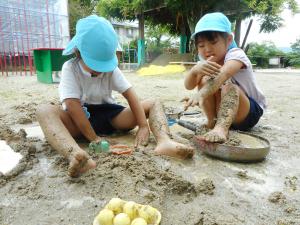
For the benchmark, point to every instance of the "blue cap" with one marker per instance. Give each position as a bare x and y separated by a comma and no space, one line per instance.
97,42
214,22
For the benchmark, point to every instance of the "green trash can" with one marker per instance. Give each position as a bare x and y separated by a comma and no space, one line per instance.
48,60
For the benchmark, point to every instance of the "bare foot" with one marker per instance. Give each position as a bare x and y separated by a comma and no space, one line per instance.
80,163
210,124
174,149
217,134
202,144
202,129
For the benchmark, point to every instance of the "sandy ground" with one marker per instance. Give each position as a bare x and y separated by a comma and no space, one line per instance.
194,192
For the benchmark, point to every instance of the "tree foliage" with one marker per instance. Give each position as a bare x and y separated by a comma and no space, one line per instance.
155,33
178,13
296,46
157,40
269,12
77,10
294,56
260,54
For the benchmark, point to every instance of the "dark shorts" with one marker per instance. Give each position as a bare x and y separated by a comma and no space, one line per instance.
101,117
252,118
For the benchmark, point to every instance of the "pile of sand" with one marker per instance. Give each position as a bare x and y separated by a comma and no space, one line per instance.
159,70
160,65
164,59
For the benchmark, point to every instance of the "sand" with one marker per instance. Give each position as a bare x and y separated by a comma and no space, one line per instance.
193,192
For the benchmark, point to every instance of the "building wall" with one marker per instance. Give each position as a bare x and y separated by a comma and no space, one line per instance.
126,33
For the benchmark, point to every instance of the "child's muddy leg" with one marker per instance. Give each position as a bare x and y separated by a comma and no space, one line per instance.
54,123
226,114
159,127
210,105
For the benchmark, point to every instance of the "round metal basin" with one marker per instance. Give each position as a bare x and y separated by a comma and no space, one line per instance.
252,148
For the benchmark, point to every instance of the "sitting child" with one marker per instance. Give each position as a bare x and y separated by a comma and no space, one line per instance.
88,108
227,89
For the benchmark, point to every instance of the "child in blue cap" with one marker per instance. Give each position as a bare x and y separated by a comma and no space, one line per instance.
88,107
226,86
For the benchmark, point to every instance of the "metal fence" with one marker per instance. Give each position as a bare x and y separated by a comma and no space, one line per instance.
29,24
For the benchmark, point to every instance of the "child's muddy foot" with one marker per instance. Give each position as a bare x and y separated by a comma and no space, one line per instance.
217,134
174,149
202,129
210,124
80,163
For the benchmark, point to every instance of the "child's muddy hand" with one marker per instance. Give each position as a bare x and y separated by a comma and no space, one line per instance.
189,102
207,68
185,101
97,139
196,99
142,136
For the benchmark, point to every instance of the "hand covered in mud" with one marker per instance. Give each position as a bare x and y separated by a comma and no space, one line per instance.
142,136
207,68
196,99
97,139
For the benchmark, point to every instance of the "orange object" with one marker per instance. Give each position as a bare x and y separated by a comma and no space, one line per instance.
122,149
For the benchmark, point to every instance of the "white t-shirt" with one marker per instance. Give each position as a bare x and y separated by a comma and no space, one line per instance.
76,83
245,78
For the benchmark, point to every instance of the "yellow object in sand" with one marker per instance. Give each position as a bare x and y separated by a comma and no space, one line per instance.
157,70
139,221
105,217
122,219
130,208
116,205
120,212
148,213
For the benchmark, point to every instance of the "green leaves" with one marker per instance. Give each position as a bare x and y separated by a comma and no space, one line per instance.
192,10
270,23
259,54
269,12
77,10
294,57
296,46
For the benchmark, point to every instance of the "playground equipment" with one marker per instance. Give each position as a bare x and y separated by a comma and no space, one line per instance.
47,61
27,25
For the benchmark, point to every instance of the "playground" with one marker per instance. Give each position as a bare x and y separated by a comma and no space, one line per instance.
35,188
202,190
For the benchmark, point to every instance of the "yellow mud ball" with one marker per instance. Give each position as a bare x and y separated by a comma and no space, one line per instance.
122,219
148,213
130,208
139,221
105,217
116,205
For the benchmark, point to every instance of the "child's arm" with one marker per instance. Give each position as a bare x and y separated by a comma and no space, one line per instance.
229,69
143,133
194,76
77,114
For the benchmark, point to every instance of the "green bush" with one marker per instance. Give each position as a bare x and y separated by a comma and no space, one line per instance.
293,59
260,54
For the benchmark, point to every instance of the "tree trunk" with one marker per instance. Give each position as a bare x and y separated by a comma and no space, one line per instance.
237,35
188,43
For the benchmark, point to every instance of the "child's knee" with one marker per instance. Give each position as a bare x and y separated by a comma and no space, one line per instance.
46,109
230,88
149,104
203,81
